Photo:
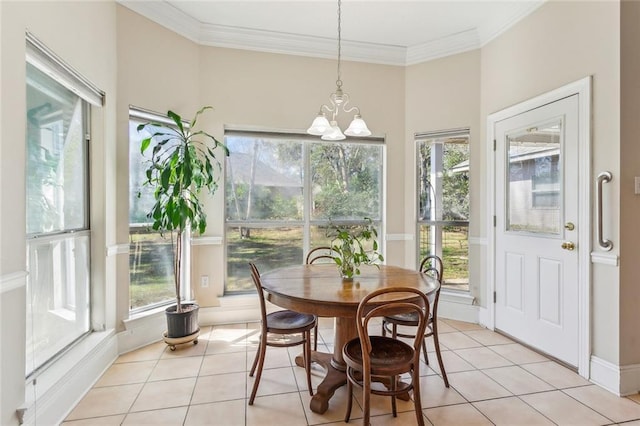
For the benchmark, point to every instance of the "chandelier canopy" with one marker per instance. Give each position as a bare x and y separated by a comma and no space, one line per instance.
339,100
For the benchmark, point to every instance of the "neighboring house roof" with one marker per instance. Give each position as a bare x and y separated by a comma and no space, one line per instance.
239,169
523,153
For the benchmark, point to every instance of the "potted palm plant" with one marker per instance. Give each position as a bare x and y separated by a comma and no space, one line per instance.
182,163
348,244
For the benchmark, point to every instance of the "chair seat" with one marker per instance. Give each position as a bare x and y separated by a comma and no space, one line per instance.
409,319
389,356
290,321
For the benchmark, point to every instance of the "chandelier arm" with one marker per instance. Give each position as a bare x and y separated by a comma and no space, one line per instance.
353,108
333,111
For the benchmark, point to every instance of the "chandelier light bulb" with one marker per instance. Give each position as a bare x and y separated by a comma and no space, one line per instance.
319,126
334,133
358,127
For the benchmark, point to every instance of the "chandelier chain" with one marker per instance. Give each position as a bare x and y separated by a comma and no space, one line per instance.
339,80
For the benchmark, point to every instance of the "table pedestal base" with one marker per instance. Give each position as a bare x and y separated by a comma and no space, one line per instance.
332,381
334,378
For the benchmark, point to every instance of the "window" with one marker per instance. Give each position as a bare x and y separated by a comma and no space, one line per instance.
443,203
151,281
282,191
57,208
534,179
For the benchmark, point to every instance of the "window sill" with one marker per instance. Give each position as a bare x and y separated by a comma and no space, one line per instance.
61,385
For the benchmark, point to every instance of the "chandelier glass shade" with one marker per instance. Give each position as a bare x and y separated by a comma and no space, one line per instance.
326,128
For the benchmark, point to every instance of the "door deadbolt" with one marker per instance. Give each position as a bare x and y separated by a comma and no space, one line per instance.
568,245
569,226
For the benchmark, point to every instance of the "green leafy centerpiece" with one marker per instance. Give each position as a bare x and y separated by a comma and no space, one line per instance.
350,244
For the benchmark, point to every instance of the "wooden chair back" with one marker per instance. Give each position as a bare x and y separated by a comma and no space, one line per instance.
322,254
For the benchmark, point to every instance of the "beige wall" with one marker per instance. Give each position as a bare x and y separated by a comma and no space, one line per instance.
629,168
285,92
247,88
157,70
559,43
445,94
83,33
124,54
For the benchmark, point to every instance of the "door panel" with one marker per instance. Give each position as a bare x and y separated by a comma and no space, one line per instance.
536,194
514,281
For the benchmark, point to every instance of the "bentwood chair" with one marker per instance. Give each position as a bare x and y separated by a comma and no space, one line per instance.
322,254
384,359
431,265
283,324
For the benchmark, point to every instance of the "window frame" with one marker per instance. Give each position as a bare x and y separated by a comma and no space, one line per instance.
47,62
421,137
142,115
306,223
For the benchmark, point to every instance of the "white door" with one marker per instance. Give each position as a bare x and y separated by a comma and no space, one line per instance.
536,234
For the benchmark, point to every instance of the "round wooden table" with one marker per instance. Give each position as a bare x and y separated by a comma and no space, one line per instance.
319,290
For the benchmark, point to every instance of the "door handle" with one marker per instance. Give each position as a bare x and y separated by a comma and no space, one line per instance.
603,177
568,245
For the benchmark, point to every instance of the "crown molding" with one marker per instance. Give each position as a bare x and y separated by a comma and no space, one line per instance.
166,15
491,30
301,45
447,46
175,20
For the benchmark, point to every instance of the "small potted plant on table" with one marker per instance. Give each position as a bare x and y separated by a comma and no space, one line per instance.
183,162
349,247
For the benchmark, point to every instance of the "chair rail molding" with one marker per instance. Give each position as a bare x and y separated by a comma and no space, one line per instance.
13,281
116,249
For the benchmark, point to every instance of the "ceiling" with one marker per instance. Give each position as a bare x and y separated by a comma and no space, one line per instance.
396,32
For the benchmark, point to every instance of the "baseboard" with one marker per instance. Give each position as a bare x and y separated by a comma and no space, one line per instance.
142,331
458,307
621,380
233,309
62,386
605,374
148,328
484,318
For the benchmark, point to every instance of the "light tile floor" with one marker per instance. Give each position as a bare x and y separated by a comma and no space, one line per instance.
494,381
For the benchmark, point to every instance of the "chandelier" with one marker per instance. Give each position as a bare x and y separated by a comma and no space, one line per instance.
328,129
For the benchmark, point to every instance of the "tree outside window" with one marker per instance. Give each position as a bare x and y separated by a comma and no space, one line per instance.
443,204
282,191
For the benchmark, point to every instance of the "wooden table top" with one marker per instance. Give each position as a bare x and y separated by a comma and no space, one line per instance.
319,289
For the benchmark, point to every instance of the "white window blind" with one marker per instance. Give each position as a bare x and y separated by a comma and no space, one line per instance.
51,64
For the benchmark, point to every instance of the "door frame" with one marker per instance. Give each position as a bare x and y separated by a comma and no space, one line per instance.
582,88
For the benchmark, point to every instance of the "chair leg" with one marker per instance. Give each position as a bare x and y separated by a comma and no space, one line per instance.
366,399
439,356
255,360
424,349
394,387
347,415
315,338
307,359
416,396
262,351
